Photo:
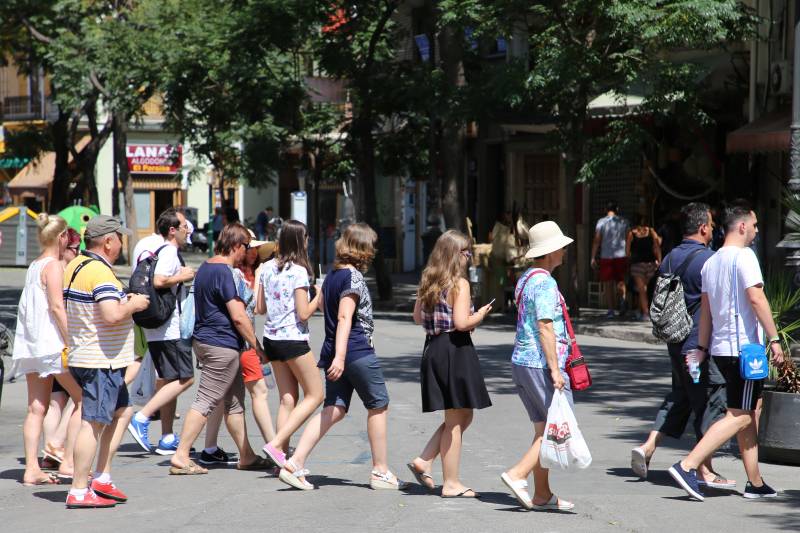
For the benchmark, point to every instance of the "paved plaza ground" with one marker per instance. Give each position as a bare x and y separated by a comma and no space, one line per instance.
630,380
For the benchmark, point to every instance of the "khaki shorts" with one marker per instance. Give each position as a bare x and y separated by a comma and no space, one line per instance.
644,270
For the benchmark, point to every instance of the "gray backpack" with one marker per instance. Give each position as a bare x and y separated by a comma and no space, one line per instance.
672,321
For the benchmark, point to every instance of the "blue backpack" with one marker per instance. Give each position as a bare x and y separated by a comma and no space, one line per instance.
753,363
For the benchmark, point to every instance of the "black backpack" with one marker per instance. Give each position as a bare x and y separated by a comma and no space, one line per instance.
162,301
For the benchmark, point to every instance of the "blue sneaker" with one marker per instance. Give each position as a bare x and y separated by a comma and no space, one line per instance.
138,431
687,481
169,446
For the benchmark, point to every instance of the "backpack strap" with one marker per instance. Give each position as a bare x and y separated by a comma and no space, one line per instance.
72,278
686,262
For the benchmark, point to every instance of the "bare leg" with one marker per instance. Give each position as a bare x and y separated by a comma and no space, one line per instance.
456,421
85,449
622,291
610,293
317,427
66,380
641,292
238,430
376,431
192,426
38,401
303,370
424,463
58,400
289,394
529,463
258,394
60,435
734,421
164,400
112,436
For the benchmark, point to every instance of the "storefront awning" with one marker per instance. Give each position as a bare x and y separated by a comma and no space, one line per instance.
37,175
613,104
769,133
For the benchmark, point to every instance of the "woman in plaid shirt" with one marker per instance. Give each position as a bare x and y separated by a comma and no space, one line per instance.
450,372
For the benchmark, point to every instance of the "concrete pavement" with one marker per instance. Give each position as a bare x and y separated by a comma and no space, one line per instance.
630,380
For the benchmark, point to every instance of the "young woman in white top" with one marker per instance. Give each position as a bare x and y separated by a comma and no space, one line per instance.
39,342
284,294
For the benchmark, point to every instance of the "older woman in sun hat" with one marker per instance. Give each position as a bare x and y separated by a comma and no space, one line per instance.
541,348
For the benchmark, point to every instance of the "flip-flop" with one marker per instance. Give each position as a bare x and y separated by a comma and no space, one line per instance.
519,489
554,504
718,483
48,479
189,469
463,494
421,477
49,464
53,453
259,464
639,462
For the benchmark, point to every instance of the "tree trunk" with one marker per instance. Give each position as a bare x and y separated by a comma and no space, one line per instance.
452,142
62,177
574,161
124,175
366,208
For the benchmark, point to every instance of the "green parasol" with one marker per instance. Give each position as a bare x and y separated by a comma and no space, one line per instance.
77,216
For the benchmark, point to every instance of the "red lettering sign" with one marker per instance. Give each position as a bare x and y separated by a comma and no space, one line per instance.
154,158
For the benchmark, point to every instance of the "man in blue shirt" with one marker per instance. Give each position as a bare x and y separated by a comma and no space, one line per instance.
706,399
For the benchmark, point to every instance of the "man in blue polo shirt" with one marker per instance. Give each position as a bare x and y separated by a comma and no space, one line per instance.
706,399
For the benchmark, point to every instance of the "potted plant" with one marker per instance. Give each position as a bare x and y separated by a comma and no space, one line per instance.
779,423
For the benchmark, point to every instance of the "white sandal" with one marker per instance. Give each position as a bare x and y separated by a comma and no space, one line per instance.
520,490
554,504
386,480
293,479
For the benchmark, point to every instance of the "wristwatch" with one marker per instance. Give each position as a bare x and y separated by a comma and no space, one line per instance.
702,348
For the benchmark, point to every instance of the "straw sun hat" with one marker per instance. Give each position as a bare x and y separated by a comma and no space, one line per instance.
544,238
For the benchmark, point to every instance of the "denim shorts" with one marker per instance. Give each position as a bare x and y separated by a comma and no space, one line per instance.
365,377
104,391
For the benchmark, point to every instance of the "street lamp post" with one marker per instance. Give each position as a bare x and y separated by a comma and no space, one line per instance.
210,225
792,246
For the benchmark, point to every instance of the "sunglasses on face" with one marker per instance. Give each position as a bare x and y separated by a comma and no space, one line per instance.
75,248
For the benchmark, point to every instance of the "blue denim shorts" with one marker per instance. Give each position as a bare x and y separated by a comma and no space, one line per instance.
365,377
104,391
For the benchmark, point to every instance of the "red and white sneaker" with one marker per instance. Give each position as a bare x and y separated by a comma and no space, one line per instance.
109,491
90,500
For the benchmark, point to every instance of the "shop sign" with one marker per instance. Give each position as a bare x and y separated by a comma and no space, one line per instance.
154,158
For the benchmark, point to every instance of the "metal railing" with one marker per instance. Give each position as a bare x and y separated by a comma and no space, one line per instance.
28,108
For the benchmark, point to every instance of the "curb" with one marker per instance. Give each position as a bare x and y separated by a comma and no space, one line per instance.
623,334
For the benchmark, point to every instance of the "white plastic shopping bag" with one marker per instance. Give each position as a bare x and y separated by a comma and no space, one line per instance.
144,384
563,446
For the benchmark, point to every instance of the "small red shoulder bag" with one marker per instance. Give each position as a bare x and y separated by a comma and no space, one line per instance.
575,366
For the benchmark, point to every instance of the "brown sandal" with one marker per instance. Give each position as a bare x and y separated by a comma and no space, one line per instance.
190,469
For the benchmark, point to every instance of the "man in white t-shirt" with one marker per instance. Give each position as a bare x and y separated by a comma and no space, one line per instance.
718,332
172,356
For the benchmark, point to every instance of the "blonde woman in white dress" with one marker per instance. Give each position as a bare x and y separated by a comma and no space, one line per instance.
39,342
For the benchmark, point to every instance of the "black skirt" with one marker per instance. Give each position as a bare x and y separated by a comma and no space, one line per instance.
451,374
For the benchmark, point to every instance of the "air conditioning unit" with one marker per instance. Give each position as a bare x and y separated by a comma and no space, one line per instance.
780,78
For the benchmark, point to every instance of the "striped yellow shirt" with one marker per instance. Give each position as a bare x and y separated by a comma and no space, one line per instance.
92,342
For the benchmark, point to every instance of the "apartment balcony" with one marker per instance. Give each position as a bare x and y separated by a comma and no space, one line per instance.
26,108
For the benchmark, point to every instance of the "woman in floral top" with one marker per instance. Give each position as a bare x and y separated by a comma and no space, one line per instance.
540,352
285,294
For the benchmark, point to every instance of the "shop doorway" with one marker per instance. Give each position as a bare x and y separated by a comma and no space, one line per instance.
162,201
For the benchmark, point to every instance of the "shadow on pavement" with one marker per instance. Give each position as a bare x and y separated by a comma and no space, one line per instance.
55,496
789,518
14,474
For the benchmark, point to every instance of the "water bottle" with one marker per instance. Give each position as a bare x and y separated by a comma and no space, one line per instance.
268,377
694,365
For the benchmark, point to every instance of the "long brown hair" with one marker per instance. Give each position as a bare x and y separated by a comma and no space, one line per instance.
292,246
232,235
356,246
444,268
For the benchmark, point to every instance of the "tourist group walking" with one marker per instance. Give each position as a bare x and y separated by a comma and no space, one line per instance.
82,337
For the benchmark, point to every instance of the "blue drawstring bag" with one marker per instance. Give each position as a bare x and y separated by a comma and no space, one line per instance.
187,316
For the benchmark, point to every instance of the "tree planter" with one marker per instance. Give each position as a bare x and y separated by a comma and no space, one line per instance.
779,428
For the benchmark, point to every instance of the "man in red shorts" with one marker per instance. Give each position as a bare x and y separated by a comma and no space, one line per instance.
609,239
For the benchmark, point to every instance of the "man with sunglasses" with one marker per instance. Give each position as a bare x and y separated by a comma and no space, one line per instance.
172,356
100,341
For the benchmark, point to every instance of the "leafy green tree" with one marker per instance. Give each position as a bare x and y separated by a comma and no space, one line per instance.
578,49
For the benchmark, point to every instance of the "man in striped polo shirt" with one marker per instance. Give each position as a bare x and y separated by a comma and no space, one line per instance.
100,346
